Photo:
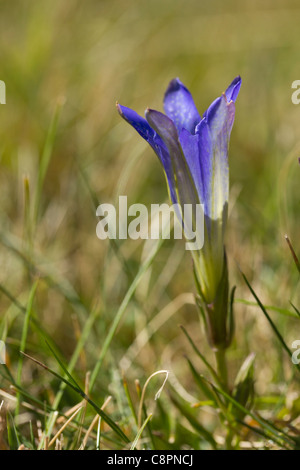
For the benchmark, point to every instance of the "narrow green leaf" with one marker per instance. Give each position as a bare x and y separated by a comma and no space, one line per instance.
45,159
296,309
137,437
193,421
203,359
279,434
282,311
129,400
277,333
201,383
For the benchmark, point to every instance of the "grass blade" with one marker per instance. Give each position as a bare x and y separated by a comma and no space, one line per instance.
137,437
201,383
121,311
295,258
23,341
278,434
101,413
45,159
193,421
277,333
203,359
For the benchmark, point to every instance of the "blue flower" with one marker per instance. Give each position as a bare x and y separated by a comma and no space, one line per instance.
193,151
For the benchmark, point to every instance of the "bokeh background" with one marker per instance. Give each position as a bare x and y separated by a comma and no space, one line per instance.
71,61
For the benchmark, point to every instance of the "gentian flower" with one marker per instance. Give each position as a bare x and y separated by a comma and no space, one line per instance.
193,151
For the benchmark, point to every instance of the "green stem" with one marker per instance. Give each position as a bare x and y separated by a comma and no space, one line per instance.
223,375
222,367
228,440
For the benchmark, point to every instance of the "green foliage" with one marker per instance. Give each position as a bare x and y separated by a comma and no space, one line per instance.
97,316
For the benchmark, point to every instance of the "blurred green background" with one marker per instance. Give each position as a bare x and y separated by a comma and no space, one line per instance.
85,56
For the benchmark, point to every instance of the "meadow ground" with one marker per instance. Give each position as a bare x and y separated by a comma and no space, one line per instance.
109,312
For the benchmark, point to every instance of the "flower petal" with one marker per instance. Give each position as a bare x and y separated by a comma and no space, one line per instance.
138,122
143,128
214,133
233,89
209,262
180,107
166,129
190,147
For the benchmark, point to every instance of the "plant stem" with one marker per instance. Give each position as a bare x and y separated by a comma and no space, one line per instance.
223,375
222,367
228,440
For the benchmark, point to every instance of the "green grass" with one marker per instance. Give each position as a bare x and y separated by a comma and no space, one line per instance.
100,318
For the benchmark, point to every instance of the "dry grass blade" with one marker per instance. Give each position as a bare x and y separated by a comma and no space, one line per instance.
103,415
297,262
166,372
93,424
53,440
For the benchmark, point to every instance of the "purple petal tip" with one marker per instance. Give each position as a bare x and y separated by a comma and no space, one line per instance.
233,90
174,85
